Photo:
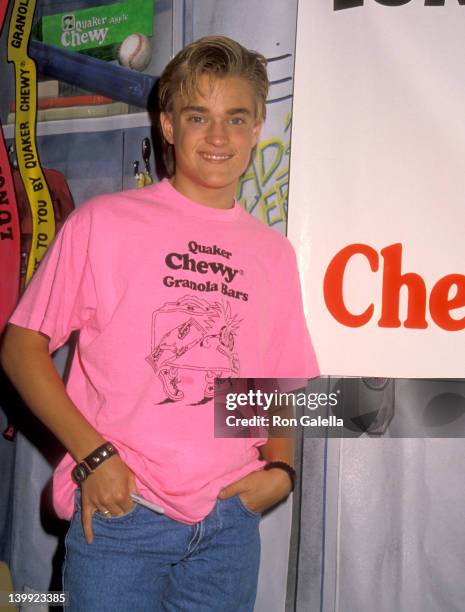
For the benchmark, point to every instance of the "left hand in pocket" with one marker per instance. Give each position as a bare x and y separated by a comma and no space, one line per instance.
260,490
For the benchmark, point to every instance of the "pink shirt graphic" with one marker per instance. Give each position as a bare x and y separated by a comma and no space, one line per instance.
168,294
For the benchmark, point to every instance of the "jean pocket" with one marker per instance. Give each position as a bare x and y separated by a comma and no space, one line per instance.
120,517
246,509
97,514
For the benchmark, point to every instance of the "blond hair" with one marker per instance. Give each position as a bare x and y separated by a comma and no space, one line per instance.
217,56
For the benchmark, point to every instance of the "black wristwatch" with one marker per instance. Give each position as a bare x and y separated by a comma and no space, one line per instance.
281,465
90,463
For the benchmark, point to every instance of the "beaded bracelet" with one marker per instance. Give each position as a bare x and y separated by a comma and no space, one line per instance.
282,465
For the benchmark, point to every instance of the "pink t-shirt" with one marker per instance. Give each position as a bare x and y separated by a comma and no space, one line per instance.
167,294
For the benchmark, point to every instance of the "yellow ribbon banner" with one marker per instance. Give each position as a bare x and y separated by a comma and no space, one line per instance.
43,219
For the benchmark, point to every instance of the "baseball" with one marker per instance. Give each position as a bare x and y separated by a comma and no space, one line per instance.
135,52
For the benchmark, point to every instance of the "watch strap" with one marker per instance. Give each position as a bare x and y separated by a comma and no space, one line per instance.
99,455
90,463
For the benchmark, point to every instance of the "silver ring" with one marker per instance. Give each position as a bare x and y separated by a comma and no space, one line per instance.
105,512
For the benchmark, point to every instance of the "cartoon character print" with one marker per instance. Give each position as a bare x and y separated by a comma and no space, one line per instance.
195,334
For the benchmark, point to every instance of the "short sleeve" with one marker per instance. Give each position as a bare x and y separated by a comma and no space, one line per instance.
61,296
291,353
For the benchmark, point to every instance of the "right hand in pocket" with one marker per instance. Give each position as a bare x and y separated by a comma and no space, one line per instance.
107,488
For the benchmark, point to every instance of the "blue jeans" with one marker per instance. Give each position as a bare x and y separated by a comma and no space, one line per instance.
145,562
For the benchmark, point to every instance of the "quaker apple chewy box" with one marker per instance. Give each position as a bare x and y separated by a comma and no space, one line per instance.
99,30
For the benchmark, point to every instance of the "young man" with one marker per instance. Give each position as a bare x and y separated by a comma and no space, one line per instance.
170,286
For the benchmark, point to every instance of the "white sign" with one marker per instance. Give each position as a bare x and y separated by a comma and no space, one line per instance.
377,185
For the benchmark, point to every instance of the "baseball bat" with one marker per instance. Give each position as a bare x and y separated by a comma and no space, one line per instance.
93,74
